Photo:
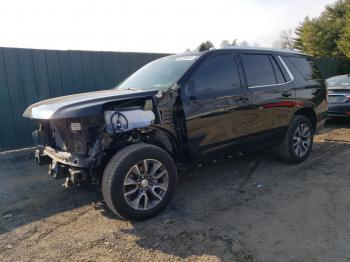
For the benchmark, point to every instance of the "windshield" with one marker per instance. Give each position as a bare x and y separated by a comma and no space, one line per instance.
338,81
159,74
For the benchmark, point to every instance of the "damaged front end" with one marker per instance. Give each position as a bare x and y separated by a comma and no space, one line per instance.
77,138
72,147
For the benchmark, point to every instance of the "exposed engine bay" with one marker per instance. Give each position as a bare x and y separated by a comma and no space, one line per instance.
78,134
75,147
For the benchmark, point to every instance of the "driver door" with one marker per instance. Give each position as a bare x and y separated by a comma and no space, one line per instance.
216,106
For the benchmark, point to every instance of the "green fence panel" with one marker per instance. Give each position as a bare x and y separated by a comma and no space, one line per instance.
332,66
31,75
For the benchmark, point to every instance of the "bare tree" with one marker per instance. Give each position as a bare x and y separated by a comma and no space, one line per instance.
227,43
243,44
285,41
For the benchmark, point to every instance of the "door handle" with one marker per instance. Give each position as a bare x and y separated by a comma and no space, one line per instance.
286,94
222,97
242,99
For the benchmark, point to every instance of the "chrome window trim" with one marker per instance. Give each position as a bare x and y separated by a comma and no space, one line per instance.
287,69
288,72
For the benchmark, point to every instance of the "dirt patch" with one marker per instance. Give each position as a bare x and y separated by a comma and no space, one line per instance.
253,208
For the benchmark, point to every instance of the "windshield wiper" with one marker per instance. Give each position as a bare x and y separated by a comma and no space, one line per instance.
132,88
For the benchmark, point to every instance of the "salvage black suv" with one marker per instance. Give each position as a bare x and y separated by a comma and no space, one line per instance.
133,140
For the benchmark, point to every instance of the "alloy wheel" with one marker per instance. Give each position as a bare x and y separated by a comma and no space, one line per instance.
146,184
302,140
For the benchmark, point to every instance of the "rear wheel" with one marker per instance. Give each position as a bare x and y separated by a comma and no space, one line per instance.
297,144
139,181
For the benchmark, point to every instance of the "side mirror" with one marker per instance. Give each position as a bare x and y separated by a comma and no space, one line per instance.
191,90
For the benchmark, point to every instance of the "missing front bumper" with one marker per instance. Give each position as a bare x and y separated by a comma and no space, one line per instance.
60,166
45,155
41,159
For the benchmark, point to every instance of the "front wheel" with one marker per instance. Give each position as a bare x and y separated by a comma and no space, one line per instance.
298,141
139,181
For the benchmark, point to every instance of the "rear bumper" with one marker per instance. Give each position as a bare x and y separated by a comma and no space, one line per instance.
339,110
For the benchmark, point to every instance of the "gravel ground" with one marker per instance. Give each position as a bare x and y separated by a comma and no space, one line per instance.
253,208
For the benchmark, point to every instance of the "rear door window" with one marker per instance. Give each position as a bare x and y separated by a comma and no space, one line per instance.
259,70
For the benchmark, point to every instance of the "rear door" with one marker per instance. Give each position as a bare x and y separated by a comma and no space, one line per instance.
309,86
272,90
215,104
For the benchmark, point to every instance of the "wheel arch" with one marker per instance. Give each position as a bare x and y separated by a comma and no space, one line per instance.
309,113
166,141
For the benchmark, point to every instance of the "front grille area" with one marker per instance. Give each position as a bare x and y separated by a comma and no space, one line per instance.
63,138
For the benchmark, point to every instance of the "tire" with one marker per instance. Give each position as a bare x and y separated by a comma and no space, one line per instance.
287,149
128,166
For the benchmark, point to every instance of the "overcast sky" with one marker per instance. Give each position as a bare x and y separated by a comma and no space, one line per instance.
148,25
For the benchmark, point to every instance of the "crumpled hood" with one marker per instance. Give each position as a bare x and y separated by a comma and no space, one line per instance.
79,105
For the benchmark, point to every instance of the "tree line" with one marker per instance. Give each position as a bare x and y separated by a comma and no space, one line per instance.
325,36
225,43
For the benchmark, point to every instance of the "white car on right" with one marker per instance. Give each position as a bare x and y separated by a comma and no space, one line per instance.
338,95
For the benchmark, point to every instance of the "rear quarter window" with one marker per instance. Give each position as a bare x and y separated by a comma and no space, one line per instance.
306,67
